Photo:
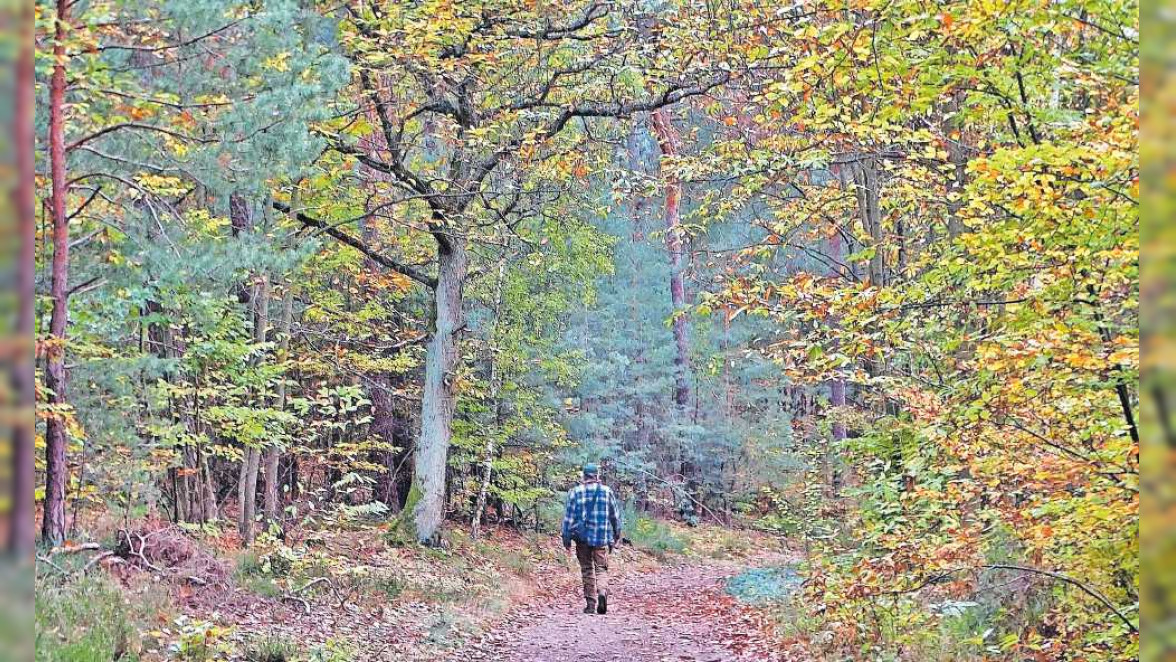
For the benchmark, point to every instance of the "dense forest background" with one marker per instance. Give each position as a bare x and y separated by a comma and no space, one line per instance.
860,274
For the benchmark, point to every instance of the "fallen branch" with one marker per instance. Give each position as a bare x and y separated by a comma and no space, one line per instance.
73,549
293,596
1073,582
313,582
46,561
1030,570
94,561
139,552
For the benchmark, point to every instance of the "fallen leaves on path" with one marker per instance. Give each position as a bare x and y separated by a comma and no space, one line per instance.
674,613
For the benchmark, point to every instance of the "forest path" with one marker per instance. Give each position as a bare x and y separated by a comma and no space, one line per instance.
679,612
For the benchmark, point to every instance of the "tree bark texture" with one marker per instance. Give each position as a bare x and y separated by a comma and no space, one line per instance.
865,181
56,468
427,497
669,142
251,461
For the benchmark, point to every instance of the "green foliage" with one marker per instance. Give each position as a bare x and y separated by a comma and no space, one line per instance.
199,641
271,648
334,651
654,536
90,619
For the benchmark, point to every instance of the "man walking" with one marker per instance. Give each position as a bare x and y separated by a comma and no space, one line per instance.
592,520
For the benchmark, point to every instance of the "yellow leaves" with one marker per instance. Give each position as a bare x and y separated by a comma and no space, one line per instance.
279,62
204,222
161,184
178,147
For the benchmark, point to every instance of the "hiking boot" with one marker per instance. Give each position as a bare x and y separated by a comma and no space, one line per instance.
590,607
602,604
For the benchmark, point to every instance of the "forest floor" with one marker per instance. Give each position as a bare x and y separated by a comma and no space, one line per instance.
678,611
512,597
358,596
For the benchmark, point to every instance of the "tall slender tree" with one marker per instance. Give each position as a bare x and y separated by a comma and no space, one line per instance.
56,468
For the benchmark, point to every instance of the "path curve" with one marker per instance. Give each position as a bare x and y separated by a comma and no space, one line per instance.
673,613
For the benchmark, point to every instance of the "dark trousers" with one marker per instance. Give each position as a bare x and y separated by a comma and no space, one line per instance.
593,569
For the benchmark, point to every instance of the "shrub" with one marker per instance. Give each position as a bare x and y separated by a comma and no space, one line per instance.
249,564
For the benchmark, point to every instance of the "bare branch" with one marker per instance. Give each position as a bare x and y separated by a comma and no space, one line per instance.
132,125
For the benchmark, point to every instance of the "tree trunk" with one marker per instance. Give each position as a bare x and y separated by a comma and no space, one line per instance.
865,179
957,155
495,388
21,541
837,385
56,469
206,490
426,500
247,485
668,140
273,453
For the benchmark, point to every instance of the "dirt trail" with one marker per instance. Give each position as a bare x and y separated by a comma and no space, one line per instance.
674,613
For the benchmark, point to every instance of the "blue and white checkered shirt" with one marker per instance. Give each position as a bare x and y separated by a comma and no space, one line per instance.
595,506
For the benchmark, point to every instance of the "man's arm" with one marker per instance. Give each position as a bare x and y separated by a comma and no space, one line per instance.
568,520
614,516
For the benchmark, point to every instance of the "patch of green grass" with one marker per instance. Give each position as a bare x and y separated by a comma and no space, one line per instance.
334,650
389,586
250,574
249,564
262,586
654,536
271,648
90,619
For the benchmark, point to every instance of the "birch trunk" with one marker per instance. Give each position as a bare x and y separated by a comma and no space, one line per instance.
273,453
250,464
495,388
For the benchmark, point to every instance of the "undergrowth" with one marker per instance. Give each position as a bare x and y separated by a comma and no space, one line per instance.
87,618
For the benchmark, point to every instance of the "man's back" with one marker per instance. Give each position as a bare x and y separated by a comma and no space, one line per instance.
592,516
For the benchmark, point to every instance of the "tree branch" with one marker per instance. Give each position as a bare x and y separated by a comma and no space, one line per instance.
358,244
1073,582
132,125
615,109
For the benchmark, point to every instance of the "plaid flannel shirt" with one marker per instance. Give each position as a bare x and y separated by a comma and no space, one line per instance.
595,505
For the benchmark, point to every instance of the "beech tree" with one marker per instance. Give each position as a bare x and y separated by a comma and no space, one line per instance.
457,139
